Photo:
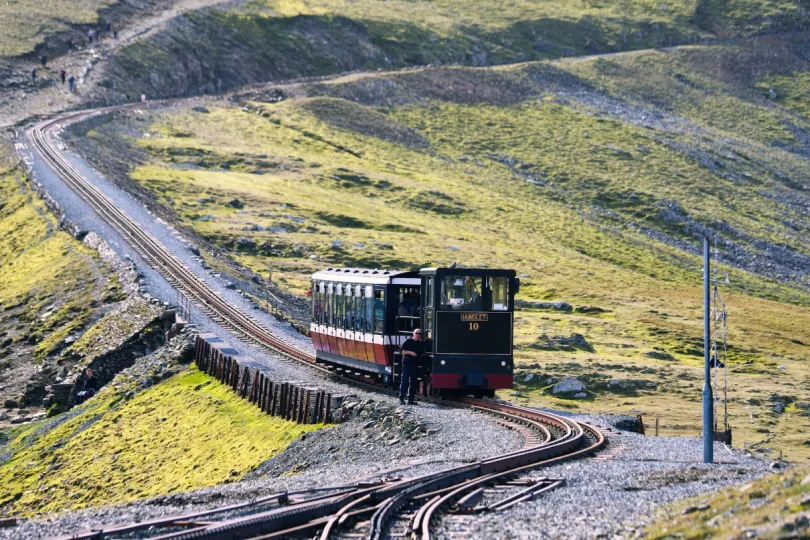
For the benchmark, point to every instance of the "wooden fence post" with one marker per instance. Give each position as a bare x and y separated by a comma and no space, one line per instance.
305,414
326,409
316,407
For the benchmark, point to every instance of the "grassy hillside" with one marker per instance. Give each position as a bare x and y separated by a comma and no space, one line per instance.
217,49
594,181
773,507
188,432
54,288
26,24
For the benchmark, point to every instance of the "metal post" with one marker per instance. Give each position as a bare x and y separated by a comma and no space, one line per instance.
708,421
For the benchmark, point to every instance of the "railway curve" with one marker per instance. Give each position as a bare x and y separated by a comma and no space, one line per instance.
369,509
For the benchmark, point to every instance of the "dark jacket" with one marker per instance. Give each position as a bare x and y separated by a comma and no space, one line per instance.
92,382
415,346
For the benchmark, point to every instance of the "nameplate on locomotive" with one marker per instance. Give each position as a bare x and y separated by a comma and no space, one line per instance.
474,317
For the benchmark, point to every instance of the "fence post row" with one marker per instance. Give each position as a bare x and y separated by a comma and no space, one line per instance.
282,399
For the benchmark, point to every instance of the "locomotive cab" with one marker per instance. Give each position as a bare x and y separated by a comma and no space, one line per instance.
467,320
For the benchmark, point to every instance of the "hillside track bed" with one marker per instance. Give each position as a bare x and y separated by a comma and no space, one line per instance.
557,438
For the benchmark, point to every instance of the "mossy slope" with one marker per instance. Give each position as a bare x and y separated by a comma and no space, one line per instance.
767,508
188,432
217,49
53,285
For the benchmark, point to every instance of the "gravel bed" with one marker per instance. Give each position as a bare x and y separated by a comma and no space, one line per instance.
614,497
333,456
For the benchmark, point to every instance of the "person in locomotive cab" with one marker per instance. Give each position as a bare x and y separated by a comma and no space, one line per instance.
412,352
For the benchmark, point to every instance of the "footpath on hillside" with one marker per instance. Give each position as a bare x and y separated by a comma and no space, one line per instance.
22,98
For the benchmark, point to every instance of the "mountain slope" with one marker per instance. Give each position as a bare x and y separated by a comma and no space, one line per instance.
594,178
218,49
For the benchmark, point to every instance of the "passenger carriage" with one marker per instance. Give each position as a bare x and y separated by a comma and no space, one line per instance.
360,317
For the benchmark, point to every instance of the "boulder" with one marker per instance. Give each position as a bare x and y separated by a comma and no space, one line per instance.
590,309
580,395
578,341
245,244
528,377
236,203
200,109
660,355
568,385
779,408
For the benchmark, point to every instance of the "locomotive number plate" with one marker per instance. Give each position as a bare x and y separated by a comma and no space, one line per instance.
474,317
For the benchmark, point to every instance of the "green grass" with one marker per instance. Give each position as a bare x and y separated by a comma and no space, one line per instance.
685,83
188,432
26,24
764,505
793,91
285,39
53,285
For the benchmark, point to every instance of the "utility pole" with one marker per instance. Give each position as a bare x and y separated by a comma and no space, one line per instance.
708,421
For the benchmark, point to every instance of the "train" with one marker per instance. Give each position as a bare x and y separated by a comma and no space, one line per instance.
361,317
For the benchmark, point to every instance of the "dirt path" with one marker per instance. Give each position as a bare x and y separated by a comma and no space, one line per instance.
21,99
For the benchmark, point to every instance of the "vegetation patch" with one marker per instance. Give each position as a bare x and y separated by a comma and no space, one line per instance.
185,433
285,39
347,115
772,507
26,24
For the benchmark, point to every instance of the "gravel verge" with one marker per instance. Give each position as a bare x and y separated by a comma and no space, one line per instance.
616,494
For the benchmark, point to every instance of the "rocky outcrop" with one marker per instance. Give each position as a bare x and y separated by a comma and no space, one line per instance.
569,386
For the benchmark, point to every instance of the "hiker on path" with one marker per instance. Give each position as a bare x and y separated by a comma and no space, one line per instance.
72,82
34,76
90,36
62,75
115,33
108,27
44,61
70,45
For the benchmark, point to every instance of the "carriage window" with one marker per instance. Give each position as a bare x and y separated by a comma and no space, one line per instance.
408,301
368,317
379,310
340,307
461,293
500,293
359,306
349,309
329,305
314,301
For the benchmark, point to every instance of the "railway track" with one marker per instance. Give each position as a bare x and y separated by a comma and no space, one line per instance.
386,507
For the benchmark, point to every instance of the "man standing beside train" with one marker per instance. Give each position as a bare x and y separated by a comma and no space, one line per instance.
412,352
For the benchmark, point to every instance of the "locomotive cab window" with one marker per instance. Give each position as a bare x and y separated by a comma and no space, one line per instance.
462,293
499,288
